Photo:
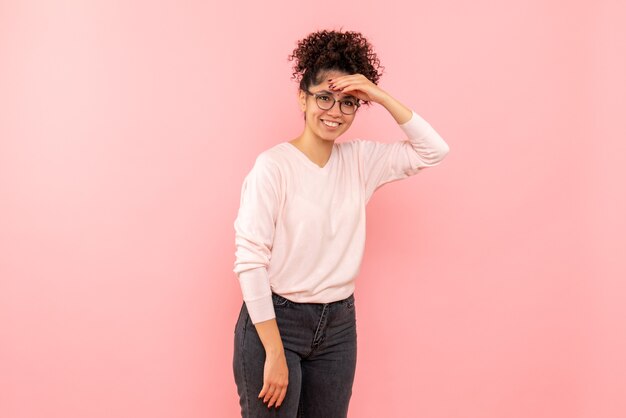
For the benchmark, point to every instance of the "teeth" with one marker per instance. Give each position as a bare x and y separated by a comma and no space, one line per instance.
328,123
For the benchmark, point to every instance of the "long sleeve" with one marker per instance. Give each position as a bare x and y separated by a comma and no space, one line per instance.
254,235
386,162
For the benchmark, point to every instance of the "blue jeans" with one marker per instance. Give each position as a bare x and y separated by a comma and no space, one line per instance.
320,346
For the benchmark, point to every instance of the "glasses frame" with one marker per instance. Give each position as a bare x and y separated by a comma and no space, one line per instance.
316,95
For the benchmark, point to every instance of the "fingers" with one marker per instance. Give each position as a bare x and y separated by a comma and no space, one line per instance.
357,84
264,390
275,380
281,397
267,391
349,77
346,84
274,398
270,393
354,89
274,393
345,80
278,397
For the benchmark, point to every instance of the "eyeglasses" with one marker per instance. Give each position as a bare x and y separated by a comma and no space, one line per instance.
326,101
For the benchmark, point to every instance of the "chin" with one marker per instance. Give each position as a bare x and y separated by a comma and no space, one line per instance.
331,138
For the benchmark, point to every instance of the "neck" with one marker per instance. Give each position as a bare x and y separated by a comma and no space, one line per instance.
317,149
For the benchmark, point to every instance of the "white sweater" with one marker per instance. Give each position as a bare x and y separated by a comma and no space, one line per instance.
300,229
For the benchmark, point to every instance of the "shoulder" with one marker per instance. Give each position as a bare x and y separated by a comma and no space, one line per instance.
276,157
355,147
271,161
348,146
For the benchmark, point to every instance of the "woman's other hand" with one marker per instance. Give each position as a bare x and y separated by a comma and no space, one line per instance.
275,378
275,372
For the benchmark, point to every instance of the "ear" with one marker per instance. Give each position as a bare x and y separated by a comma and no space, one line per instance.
302,99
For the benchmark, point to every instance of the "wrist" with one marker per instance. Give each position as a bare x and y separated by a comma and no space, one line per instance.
274,350
400,112
385,99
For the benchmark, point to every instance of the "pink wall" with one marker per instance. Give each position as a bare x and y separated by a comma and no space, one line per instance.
492,285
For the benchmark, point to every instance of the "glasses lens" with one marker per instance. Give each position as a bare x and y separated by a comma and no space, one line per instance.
325,101
348,107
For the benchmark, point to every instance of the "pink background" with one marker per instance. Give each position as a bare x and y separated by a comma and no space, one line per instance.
492,285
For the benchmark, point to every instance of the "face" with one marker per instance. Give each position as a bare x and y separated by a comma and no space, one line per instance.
329,124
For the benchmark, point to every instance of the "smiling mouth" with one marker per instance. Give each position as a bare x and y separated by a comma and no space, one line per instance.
330,124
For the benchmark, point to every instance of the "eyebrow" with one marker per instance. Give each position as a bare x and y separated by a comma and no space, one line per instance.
347,96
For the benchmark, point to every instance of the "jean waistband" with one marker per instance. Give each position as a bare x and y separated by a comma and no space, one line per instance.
279,298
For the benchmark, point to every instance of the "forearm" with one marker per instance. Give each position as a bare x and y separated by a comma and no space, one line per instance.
400,112
270,336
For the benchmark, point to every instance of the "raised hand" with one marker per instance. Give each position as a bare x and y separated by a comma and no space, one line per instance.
362,88
358,86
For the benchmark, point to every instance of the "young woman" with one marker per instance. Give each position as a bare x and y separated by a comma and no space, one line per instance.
300,233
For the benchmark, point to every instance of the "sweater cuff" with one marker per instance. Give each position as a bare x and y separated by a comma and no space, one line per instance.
416,127
257,294
261,309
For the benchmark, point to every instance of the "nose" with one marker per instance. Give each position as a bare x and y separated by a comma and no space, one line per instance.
335,110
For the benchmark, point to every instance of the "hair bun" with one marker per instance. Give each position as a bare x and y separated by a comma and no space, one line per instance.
346,51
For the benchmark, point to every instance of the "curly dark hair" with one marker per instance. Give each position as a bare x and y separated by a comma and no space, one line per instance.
326,50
